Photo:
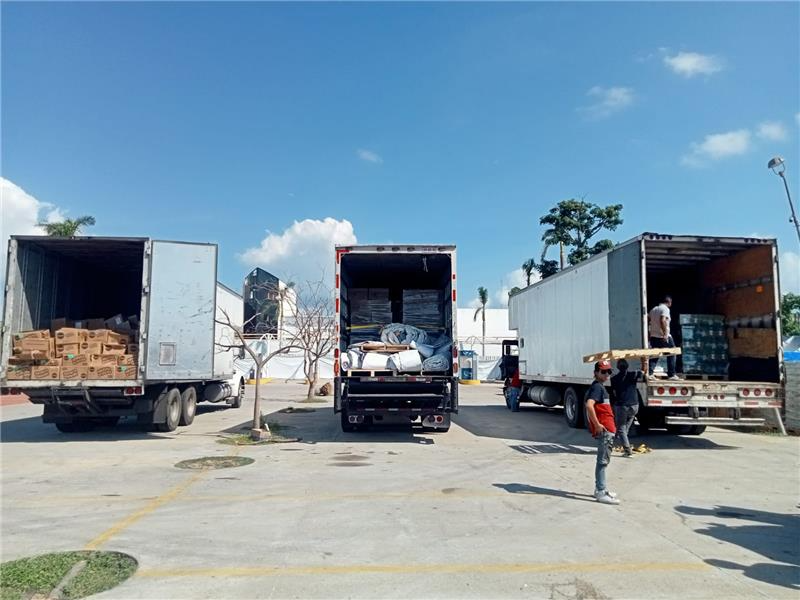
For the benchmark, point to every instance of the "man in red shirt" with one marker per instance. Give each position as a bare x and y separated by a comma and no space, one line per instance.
601,426
512,392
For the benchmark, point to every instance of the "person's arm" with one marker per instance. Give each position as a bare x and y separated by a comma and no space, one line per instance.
664,326
596,425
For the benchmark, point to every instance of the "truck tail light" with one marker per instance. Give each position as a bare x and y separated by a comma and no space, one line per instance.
673,391
756,392
745,392
660,391
684,391
768,392
133,391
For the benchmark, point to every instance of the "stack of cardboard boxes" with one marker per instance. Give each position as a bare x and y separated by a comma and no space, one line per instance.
75,350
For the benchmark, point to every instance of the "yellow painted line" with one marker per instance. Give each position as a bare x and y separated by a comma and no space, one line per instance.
314,497
266,571
148,508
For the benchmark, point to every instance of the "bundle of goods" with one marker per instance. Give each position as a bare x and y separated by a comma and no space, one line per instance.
370,309
704,344
423,308
402,348
74,350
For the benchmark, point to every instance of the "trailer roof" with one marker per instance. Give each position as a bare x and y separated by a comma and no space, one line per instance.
398,248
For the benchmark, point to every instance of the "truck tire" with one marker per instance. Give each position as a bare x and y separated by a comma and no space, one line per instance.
686,429
108,421
173,410
188,405
697,429
573,408
238,399
76,426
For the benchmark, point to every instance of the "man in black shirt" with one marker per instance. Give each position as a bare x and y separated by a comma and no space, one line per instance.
626,402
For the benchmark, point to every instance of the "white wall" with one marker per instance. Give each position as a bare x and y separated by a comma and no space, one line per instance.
497,330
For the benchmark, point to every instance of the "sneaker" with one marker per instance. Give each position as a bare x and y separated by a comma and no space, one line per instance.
605,497
628,454
674,378
612,494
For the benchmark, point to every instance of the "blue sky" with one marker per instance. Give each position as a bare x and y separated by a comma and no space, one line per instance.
435,123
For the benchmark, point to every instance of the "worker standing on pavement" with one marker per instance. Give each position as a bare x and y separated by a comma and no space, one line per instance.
626,403
601,426
659,318
512,392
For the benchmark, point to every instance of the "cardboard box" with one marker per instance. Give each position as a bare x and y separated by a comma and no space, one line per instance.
99,335
45,372
73,373
124,372
18,372
33,345
41,334
104,359
52,350
134,321
129,360
114,322
119,338
65,349
52,362
133,348
101,372
70,335
20,356
113,349
93,324
91,348
76,360
57,324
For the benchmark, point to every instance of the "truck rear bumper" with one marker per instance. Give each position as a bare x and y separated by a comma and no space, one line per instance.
718,421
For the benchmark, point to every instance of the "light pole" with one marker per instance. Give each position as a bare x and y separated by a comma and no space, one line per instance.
779,168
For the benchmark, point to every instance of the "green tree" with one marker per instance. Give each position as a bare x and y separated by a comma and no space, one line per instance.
483,298
527,268
572,224
67,227
790,314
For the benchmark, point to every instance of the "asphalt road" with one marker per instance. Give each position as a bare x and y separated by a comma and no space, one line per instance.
500,506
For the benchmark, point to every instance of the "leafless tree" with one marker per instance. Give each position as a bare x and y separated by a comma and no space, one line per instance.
312,327
260,359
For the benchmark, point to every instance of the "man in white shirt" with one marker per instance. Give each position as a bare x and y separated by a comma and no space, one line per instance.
660,337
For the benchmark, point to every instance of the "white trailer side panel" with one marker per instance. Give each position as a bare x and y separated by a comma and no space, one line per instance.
229,305
561,319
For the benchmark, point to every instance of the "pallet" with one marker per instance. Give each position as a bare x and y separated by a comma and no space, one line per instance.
382,347
634,353
375,373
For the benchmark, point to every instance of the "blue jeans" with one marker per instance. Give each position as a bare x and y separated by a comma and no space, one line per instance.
605,443
512,397
624,416
662,343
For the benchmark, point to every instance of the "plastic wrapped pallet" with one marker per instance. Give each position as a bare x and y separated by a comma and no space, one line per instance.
705,344
370,309
408,361
423,308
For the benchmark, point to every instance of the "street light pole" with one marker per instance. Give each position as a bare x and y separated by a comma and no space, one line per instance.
779,168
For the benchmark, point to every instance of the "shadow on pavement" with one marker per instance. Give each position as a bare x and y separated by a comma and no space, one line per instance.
775,536
32,430
322,426
523,488
547,426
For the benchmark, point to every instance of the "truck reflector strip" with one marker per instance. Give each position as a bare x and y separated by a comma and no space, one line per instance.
454,295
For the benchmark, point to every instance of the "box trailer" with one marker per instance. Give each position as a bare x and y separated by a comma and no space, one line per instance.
603,304
186,349
379,285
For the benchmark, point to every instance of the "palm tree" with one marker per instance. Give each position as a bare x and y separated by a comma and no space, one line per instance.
527,267
483,298
67,227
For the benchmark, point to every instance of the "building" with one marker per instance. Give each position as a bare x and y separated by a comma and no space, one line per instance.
268,303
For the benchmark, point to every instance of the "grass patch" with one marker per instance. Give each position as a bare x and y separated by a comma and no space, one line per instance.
23,578
244,439
215,462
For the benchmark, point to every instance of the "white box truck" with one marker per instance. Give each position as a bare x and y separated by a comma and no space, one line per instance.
603,303
185,355
378,285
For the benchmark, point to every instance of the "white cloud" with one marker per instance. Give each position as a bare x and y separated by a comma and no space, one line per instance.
369,156
303,251
774,131
515,278
607,101
790,272
717,146
690,64
19,214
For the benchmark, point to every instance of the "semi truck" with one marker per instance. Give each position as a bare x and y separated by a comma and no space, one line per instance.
603,303
187,347
402,284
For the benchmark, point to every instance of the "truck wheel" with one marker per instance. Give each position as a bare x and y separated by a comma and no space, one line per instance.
173,409
347,426
108,421
76,426
238,399
573,409
188,405
696,429
679,429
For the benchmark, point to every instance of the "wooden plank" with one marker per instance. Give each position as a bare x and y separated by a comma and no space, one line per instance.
753,343
748,264
384,347
633,353
745,302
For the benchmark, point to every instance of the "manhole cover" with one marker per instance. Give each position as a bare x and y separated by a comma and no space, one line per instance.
64,574
215,462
